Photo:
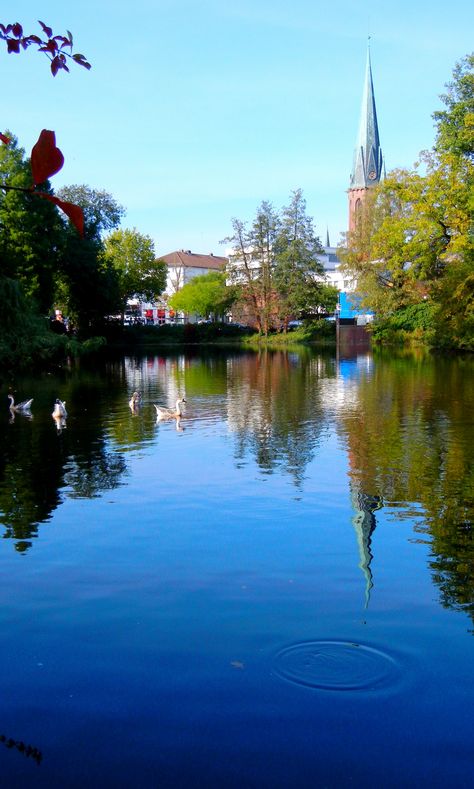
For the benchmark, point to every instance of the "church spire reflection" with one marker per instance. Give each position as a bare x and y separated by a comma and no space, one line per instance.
364,524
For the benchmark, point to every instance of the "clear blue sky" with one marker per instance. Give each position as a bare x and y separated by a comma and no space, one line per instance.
195,111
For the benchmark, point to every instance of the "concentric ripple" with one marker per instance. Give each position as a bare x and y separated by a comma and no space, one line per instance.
336,665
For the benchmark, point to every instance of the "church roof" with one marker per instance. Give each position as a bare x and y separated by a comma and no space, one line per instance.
368,164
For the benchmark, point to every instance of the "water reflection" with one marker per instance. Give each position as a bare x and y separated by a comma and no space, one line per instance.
276,409
403,423
411,449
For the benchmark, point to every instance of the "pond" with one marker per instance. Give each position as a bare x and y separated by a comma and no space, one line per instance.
275,590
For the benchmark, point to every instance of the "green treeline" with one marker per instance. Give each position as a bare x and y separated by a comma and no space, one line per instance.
45,264
412,251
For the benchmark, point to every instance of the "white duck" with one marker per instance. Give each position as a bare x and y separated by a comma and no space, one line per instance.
24,406
135,401
168,413
59,409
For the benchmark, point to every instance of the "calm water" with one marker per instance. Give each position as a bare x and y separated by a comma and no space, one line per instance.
278,591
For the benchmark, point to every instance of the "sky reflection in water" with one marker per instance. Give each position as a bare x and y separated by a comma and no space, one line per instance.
182,604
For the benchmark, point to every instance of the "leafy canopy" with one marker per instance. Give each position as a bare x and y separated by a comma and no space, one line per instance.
131,255
204,295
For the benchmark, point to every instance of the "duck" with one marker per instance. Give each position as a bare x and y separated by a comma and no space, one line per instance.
24,406
168,413
134,401
60,422
59,409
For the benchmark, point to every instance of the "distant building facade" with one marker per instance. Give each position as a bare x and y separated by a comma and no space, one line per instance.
182,266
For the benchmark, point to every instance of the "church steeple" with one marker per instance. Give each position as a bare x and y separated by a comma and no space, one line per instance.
368,166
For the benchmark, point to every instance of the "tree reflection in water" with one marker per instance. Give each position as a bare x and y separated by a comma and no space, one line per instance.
38,461
411,444
403,422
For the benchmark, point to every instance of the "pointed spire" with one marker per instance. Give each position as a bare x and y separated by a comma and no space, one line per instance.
368,164
327,237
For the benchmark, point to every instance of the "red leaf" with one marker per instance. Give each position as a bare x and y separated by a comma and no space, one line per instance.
17,30
4,138
46,159
13,45
46,29
81,61
74,212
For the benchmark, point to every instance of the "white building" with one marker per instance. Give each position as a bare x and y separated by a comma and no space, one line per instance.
183,265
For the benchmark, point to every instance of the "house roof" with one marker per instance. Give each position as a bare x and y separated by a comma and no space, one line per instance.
188,259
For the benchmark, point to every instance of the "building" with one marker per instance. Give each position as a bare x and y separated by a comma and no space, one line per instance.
183,265
368,165
368,169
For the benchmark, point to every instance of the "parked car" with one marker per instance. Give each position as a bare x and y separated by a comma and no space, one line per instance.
294,324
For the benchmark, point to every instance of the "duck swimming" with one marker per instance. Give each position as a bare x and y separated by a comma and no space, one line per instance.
135,401
168,413
59,409
24,406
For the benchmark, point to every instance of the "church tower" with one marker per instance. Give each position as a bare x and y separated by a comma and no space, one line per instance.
368,166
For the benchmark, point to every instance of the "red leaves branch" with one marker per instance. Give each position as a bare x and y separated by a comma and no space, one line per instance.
56,48
47,160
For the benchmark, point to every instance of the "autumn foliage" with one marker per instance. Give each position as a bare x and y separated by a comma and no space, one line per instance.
58,49
46,158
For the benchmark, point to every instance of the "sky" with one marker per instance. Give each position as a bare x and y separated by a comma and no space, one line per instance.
195,111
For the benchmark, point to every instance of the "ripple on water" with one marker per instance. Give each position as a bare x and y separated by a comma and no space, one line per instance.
336,665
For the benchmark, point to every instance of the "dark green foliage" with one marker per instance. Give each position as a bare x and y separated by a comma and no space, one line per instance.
30,230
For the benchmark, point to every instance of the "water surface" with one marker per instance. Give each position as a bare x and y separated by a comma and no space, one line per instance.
277,590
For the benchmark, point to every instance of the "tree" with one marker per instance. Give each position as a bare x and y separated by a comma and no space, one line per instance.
252,263
87,286
299,273
455,124
205,295
414,242
102,213
30,229
131,255
275,262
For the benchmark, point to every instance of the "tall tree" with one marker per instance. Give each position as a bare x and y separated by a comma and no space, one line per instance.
252,264
455,124
102,213
415,242
87,286
299,273
30,229
132,257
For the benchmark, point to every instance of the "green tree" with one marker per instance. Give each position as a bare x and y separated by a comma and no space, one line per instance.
299,273
414,242
205,295
252,262
102,213
30,229
131,255
455,124
87,285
